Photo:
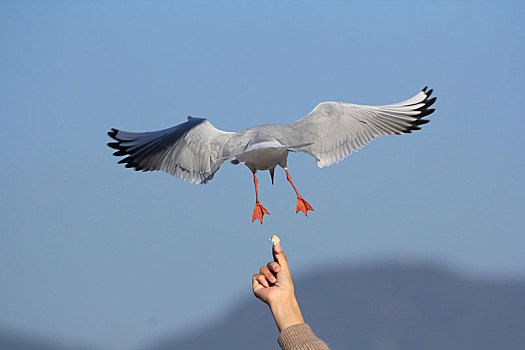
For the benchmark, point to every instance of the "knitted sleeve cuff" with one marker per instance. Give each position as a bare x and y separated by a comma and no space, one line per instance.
300,336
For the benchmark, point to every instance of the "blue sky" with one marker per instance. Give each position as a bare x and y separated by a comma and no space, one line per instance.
94,253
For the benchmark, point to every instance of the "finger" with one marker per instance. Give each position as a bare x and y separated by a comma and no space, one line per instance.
262,280
274,267
256,285
280,257
268,274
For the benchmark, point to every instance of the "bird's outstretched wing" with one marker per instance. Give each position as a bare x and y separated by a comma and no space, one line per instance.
333,130
191,150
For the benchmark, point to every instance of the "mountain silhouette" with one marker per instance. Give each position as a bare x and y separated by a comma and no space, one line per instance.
12,340
386,306
382,306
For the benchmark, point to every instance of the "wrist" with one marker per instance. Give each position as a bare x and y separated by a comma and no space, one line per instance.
286,312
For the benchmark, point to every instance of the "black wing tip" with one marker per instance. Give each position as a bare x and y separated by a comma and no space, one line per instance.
424,111
427,91
421,122
113,133
416,126
122,151
129,162
114,145
428,102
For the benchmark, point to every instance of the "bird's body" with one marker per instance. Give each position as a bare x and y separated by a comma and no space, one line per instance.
195,150
263,158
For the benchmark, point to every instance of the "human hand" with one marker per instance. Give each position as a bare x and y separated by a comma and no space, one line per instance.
273,285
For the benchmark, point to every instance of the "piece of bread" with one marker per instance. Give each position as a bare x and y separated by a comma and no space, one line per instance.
275,239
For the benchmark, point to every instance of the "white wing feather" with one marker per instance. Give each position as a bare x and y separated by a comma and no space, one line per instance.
333,130
192,150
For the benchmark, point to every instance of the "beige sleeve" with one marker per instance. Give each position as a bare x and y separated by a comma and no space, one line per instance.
300,337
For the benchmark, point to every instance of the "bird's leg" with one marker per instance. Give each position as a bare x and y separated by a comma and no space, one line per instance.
302,205
259,210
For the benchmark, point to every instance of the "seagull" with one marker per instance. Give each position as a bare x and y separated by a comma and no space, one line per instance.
195,150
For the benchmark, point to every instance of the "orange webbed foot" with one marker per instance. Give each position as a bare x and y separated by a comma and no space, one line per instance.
259,212
303,206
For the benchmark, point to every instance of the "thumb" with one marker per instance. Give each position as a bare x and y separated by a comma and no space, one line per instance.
280,257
